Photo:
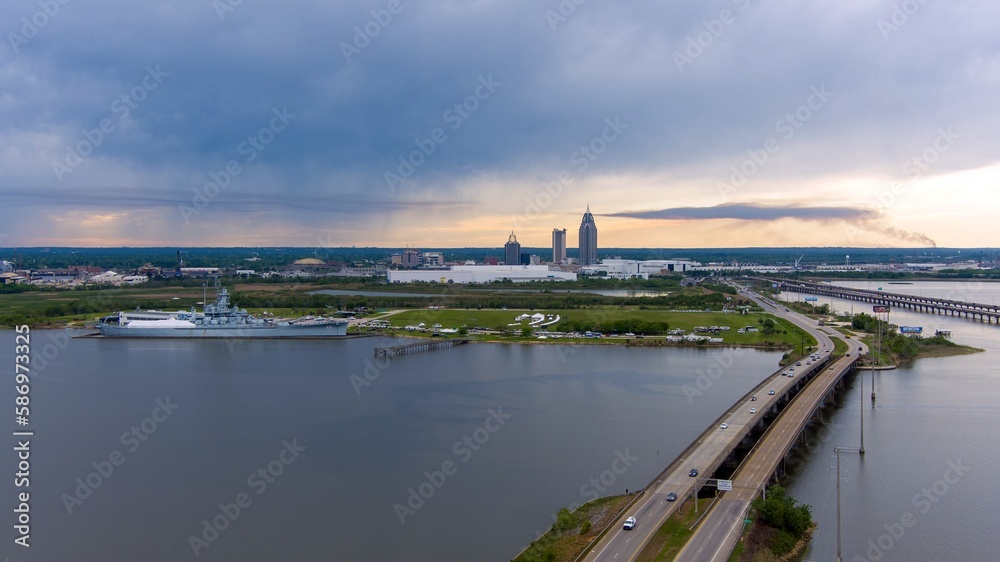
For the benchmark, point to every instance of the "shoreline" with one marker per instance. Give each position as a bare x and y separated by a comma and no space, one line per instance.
598,341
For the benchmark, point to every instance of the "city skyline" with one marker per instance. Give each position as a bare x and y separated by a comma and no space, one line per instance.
726,124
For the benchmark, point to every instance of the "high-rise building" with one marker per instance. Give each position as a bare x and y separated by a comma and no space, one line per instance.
588,239
558,245
411,258
408,258
512,251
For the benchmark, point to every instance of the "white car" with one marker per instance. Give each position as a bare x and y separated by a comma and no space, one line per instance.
629,524
724,426
753,410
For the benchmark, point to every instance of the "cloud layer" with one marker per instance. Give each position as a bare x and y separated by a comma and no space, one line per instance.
444,123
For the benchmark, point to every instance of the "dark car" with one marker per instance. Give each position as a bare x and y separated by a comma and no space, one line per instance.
671,497
694,472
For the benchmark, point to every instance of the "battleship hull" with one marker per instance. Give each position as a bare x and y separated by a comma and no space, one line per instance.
218,320
326,330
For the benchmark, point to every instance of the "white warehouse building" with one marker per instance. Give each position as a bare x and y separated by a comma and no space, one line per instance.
480,274
628,269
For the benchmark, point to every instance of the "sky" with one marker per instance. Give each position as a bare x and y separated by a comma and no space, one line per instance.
446,123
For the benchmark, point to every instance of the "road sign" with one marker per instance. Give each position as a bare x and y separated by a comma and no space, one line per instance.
724,485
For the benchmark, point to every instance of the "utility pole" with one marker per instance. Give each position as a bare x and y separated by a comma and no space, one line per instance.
873,386
838,450
861,408
696,488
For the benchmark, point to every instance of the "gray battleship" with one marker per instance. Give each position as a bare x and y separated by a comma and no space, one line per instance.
218,320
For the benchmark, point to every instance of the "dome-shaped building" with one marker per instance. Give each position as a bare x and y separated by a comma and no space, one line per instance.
310,264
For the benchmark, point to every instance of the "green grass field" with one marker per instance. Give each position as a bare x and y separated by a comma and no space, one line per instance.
455,318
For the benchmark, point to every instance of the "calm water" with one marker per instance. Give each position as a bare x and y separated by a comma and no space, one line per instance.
571,410
351,292
567,411
603,292
929,417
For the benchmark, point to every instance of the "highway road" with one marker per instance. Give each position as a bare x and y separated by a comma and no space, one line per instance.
707,453
721,528
718,532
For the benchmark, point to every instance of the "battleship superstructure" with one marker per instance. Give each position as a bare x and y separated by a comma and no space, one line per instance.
218,320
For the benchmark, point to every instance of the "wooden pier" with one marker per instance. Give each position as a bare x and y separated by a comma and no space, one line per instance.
418,347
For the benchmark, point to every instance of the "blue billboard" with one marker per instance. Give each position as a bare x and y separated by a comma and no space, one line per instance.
911,329
812,298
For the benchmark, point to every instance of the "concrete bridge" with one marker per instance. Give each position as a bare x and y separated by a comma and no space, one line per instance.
720,530
982,312
769,432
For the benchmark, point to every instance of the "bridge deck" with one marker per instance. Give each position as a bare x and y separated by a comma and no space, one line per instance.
986,312
721,528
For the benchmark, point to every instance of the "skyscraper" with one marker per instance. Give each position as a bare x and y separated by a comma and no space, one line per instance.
588,239
558,245
512,251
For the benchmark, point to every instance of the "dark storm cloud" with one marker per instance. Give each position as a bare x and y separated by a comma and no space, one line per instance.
95,199
864,219
367,89
753,212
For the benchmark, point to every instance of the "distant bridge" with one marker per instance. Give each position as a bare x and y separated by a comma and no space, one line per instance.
983,312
